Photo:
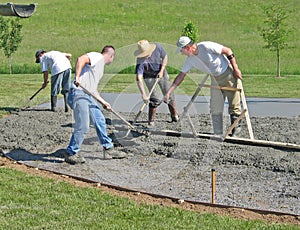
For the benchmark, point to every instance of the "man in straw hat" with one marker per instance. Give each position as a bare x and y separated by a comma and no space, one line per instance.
218,61
151,62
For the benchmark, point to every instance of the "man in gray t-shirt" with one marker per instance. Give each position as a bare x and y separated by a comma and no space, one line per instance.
219,62
151,63
89,71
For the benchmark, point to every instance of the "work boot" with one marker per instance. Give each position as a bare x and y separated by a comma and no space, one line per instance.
173,112
237,129
111,153
151,116
53,103
66,102
217,122
74,159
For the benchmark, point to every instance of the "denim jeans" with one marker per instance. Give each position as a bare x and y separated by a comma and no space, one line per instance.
63,80
86,110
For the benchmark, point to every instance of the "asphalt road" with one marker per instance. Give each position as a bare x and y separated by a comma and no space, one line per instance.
260,107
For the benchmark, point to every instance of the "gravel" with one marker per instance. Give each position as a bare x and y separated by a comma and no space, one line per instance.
247,176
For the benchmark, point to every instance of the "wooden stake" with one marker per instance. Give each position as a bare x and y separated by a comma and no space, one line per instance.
213,185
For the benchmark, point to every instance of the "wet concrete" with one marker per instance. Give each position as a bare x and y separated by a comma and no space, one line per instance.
247,176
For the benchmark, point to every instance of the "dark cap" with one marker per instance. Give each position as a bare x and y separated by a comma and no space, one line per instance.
37,54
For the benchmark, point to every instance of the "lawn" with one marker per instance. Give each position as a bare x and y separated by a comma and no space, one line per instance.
33,202
80,26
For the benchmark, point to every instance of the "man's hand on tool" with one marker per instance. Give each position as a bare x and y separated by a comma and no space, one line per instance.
77,81
145,98
106,105
166,98
44,85
237,73
160,74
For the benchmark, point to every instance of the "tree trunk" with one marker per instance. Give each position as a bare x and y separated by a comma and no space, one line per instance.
9,64
278,63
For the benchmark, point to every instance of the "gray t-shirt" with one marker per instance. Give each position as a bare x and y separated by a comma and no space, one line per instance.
56,61
151,65
92,73
209,59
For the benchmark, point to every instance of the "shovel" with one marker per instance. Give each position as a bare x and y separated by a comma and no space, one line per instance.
145,102
25,105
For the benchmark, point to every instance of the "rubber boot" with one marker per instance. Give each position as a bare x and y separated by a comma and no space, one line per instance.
53,103
151,116
66,102
237,129
217,122
173,112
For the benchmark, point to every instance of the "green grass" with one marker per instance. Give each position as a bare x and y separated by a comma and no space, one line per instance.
81,26
31,202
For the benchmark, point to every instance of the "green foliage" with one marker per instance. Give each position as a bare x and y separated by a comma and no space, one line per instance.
191,31
275,31
10,37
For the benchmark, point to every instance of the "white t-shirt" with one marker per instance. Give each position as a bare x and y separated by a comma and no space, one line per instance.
209,59
56,61
92,74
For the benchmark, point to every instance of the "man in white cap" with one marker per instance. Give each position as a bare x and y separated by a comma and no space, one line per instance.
218,61
151,63
61,71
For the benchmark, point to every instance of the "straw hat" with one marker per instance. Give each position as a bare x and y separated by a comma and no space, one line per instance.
144,48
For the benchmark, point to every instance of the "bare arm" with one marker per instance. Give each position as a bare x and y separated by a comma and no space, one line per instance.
163,66
45,74
177,81
81,61
140,84
104,103
236,71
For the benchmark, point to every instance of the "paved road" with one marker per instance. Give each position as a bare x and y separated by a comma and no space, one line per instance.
261,107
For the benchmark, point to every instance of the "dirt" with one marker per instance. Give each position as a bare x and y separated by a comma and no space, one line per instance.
247,176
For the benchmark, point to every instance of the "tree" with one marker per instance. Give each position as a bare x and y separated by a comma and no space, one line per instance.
191,31
275,31
10,37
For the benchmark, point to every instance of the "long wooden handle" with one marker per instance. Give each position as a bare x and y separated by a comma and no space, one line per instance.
145,103
187,107
24,106
114,112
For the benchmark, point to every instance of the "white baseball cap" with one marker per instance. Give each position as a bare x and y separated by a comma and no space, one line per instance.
182,42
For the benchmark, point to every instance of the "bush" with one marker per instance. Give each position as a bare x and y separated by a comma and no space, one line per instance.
191,31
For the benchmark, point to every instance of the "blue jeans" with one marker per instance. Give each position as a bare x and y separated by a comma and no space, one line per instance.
63,80
85,110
